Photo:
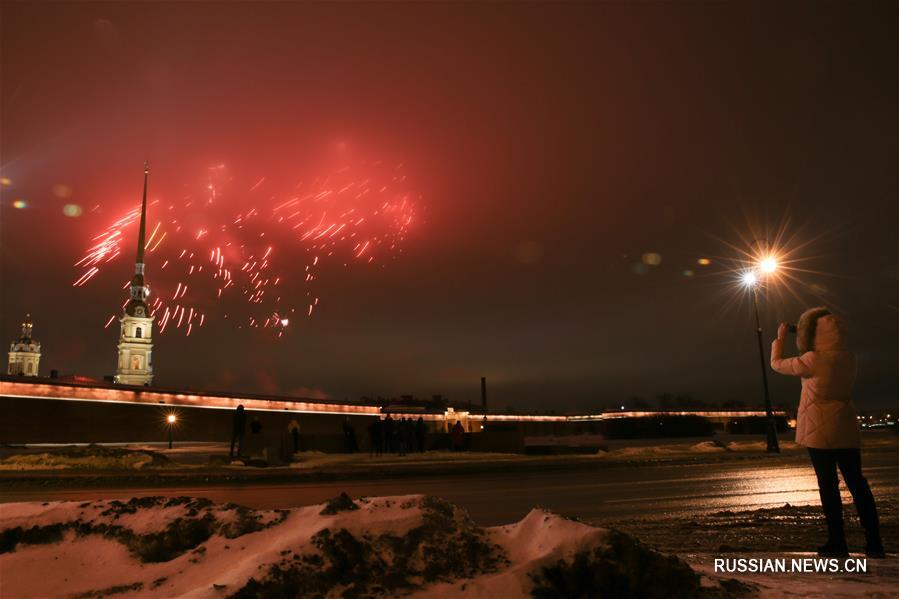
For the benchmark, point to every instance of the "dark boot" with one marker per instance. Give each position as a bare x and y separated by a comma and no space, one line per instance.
874,547
850,464
834,547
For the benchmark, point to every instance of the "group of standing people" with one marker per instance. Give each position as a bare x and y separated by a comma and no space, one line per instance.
239,425
399,436
390,435
238,429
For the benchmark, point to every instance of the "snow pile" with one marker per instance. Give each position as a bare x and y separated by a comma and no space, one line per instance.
666,450
550,556
669,450
366,553
315,459
388,546
708,447
93,457
762,446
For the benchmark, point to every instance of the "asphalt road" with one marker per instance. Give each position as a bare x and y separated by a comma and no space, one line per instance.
601,494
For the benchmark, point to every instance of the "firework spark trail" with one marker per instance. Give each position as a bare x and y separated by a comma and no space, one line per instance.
266,240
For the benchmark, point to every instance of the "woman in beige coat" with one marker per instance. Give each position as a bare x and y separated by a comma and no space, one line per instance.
827,423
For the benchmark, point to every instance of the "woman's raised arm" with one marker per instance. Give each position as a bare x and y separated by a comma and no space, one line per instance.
798,366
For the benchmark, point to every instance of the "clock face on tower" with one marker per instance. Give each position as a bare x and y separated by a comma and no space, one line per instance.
139,311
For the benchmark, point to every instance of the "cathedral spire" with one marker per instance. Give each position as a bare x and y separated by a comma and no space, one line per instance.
139,289
135,365
143,220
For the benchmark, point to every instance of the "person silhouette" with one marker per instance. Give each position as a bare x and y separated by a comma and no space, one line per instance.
237,431
827,424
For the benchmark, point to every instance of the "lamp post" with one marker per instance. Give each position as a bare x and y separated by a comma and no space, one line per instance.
170,420
751,280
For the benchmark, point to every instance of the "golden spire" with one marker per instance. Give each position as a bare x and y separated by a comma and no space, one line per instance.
143,217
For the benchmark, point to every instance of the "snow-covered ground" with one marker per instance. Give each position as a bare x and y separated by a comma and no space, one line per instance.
880,581
215,455
144,457
387,546
90,457
785,532
701,447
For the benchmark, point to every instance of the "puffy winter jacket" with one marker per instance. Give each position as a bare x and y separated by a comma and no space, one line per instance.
827,417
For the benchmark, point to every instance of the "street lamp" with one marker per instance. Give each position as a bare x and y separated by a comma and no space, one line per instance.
171,419
752,279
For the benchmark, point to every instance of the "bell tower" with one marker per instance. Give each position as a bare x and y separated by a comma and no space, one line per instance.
135,366
25,352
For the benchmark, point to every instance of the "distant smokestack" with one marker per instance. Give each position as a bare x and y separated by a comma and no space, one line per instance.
484,393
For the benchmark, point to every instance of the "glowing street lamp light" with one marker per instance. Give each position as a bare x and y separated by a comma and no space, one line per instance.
753,280
171,419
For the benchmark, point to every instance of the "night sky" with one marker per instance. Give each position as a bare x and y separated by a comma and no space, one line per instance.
547,148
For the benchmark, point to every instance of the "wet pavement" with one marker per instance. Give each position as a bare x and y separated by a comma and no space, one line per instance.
606,493
706,508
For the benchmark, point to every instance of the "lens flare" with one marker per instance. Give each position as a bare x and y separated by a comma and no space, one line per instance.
62,191
749,278
72,210
768,265
772,257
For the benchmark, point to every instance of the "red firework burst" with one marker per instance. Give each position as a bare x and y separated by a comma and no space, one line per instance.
226,240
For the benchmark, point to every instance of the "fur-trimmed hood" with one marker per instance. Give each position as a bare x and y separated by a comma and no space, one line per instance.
820,330
826,418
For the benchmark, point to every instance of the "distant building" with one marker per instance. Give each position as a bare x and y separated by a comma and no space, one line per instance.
25,353
135,365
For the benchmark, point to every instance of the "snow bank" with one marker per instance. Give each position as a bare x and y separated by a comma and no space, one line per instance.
687,449
708,447
761,446
85,457
388,546
665,450
315,459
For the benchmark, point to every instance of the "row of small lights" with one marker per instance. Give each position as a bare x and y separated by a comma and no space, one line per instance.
879,422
